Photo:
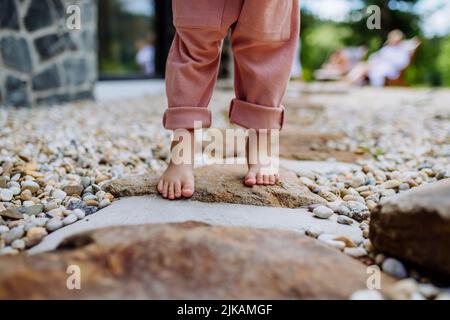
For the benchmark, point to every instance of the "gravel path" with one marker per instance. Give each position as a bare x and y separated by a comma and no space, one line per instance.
54,160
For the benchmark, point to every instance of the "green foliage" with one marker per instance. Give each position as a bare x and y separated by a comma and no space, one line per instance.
319,40
443,61
431,66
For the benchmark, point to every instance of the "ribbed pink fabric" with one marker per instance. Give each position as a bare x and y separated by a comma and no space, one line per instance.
264,37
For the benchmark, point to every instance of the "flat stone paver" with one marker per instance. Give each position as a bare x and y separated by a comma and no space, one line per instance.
152,209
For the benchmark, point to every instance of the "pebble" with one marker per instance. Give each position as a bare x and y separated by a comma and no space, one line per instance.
344,210
71,190
356,252
15,191
443,296
357,181
345,220
13,234
51,205
59,194
92,203
32,210
8,251
56,213
3,182
79,213
78,204
367,244
349,243
11,213
404,187
18,244
85,182
395,268
6,195
379,259
104,203
366,233
313,232
35,236
26,195
3,229
26,204
54,224
30,185
402,290
391,184
351,197
336,244
323,212
72,218
428,290
89,197
367,295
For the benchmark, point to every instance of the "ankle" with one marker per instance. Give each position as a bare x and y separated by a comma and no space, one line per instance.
182,151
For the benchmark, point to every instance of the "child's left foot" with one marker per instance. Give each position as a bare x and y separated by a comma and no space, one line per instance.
261,167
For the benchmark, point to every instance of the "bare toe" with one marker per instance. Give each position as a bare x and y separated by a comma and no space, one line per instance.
171,191
160,186
266,179
259,179
187,191
272,179
178,189
250,179
165,189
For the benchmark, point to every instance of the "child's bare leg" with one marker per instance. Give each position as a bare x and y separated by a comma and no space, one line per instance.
261,169
178,179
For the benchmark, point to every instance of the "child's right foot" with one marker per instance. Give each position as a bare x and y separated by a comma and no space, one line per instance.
177,182
178,179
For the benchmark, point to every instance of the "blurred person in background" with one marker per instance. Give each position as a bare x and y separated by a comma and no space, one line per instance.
387,63
145,56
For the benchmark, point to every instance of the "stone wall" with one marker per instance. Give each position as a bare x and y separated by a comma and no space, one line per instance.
42,61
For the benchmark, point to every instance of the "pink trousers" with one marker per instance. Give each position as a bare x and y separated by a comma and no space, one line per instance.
264,37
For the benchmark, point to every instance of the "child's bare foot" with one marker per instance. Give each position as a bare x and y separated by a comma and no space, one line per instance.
178,179
261,167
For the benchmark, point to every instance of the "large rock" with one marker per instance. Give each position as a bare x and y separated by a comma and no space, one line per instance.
415,226
186,261
225,184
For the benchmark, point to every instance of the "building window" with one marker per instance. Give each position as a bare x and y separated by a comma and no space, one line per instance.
127,39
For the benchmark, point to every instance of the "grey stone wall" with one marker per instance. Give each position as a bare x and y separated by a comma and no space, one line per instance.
42,61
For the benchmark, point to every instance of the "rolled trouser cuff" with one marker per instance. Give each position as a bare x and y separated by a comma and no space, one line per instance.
186,118
254,116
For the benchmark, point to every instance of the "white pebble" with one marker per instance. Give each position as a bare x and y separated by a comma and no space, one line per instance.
323,212
59,194
30,185
356,252
54,224
313,232
394,268
79,213
6,195
72,218
104,203
367,295
18,244
15,191
345,220
3,229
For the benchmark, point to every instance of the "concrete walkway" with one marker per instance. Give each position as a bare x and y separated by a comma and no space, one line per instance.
152,209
